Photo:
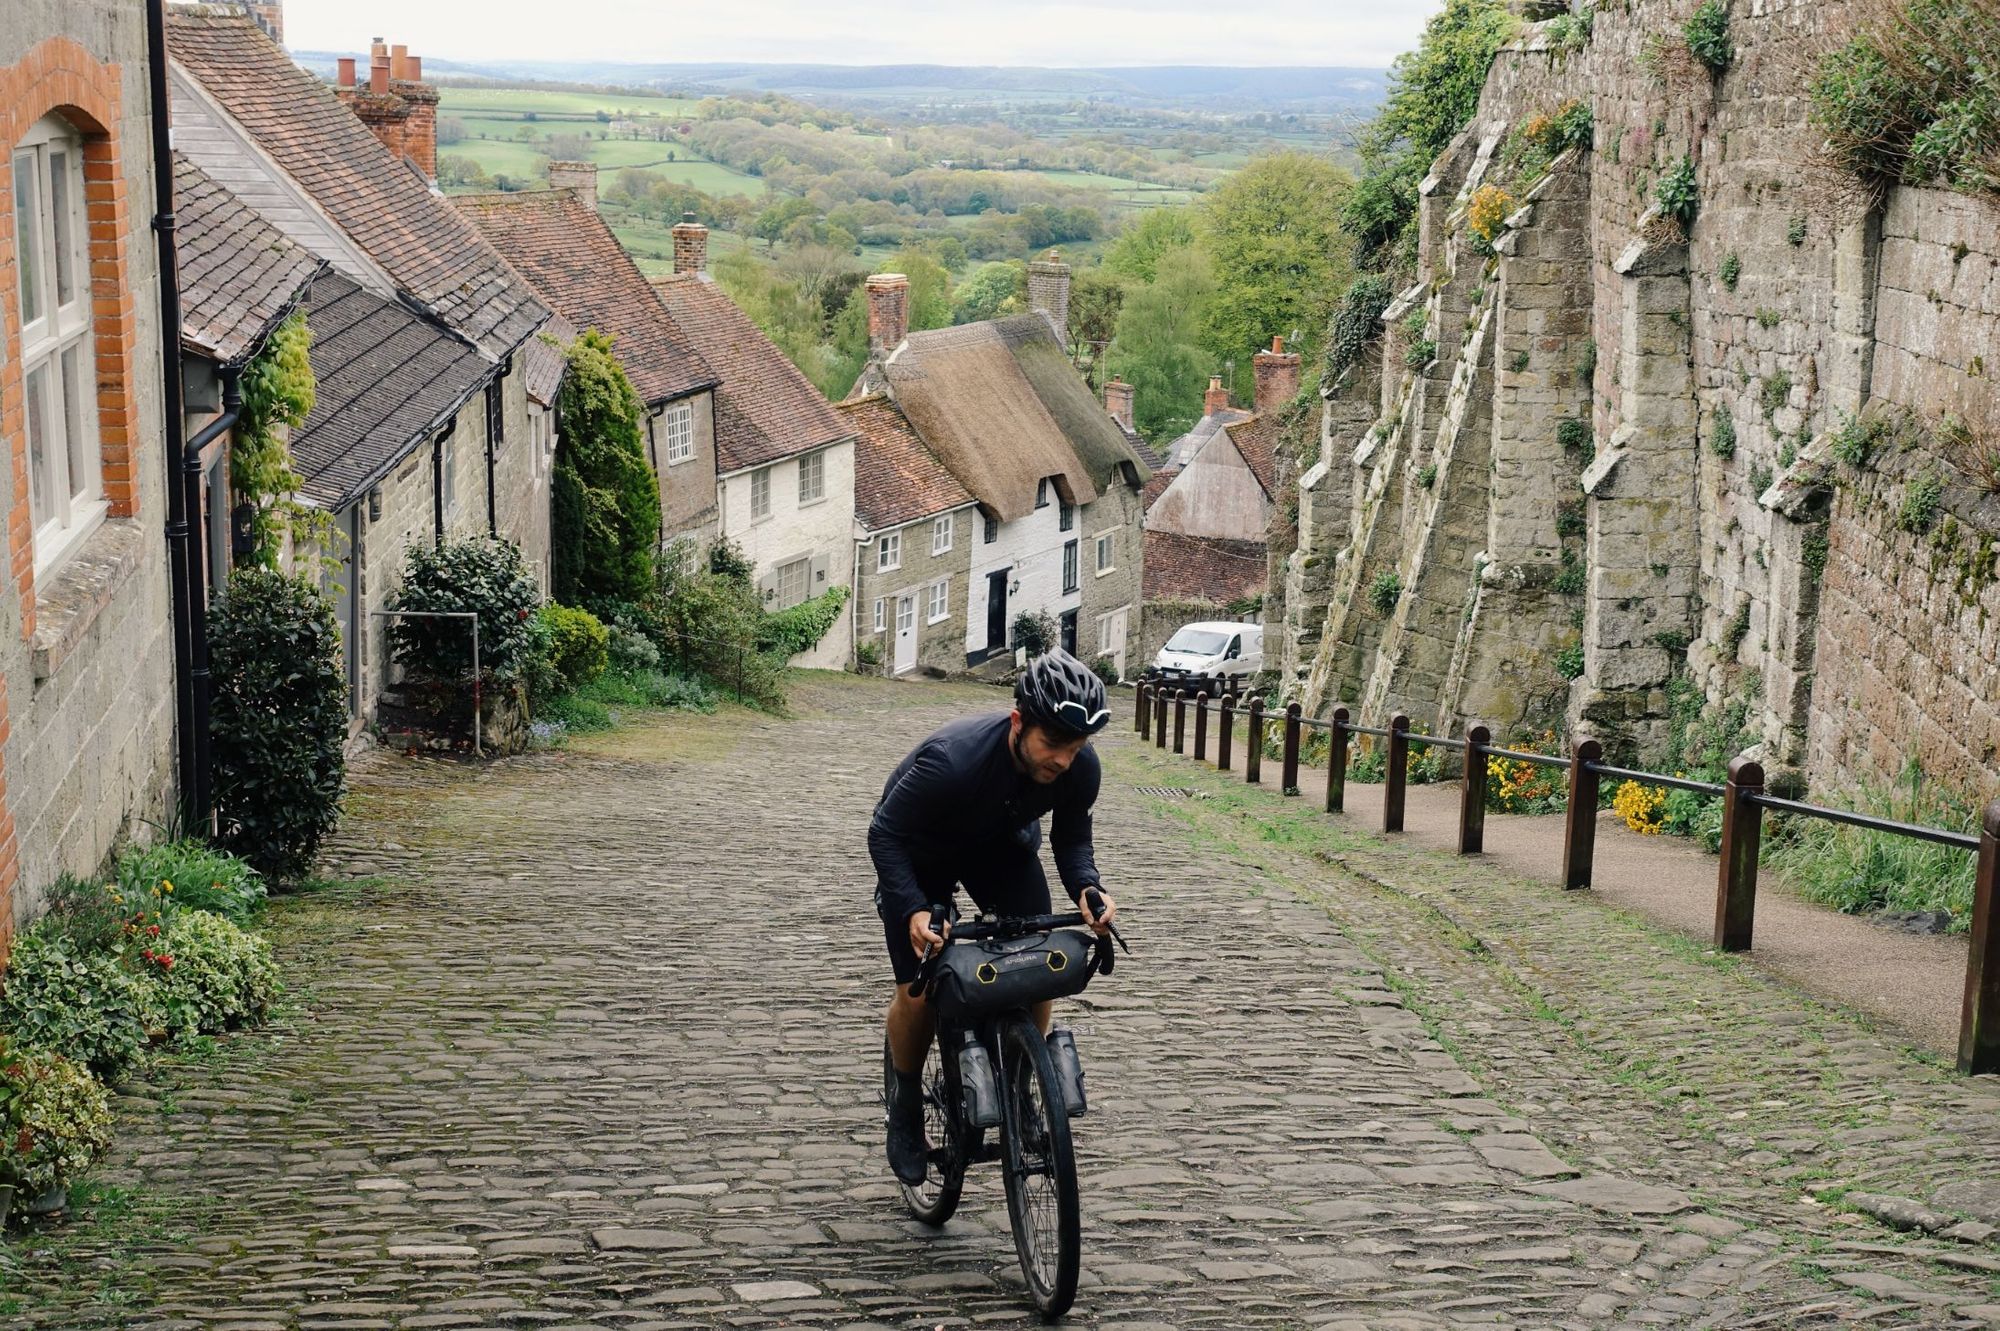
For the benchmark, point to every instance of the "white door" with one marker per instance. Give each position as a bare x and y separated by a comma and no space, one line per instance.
906,634
1111,634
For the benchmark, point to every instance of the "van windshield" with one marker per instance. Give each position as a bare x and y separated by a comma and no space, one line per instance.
1197,642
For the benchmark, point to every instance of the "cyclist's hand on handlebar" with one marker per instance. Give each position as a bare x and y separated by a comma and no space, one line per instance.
923,935
1098,909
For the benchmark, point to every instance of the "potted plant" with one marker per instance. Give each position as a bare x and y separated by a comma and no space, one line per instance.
57,1123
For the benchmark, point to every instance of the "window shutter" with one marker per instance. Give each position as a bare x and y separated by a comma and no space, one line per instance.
820,565
767,588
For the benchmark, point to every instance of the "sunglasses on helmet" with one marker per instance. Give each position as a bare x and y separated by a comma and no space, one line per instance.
1077,716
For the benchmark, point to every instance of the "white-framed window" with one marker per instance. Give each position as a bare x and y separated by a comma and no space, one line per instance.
679,427
881,613
448,473
58,363
812,478
889,552
794,582
938,603
1069,566
760,493
1107,554
906,613
941,535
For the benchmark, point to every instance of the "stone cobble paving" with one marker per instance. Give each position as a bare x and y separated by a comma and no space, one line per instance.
600,1046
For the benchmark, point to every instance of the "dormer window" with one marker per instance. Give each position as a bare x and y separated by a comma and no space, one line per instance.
1042,493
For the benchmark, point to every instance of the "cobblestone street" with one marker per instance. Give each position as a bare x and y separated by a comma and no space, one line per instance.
599,1047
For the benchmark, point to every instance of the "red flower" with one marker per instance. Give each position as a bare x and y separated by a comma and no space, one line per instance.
153,930
166,963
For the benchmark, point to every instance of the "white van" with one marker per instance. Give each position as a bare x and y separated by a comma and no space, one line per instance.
1213,647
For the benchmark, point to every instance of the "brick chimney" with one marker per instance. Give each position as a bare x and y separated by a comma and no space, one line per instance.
1048,291
579,176
690,245
270,15
346,63
396,105
1217,397
1278,375
1118,401
888,311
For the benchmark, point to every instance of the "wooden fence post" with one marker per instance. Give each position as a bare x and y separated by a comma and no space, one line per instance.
1201,725
1580,816
1736,878
1290,783
1979,1026
1160,718
1398,775
1336,762
1472,793
1139,716
1225,731
1180,720
1253,743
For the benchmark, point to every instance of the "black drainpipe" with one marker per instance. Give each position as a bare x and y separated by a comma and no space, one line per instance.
437,478
493,418
182,588
197,601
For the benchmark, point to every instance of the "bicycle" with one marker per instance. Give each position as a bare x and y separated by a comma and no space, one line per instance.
982,996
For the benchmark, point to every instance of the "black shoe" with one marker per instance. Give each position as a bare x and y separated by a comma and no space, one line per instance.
908,1156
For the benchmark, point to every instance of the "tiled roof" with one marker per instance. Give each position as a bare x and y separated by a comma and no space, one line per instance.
1152,457
1157,486
239,275
388,379
429,250
766,409
896,479
1202,568
567,253
1182,450
543,359
1257,440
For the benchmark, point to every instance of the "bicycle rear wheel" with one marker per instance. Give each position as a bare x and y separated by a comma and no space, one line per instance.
1040,1170
935,1200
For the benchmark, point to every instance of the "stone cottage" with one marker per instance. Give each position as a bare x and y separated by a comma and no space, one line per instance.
88,676
915,529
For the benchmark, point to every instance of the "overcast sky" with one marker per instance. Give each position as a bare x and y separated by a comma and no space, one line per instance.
997,32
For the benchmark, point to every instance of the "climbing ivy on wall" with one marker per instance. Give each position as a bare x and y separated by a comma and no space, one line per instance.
278,389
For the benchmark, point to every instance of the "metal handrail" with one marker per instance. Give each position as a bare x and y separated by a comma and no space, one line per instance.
1377,731
1437,741
1935,835
1656,779
1517,756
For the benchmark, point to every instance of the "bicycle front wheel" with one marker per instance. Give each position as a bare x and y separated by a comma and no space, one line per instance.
1040,1170
935,1199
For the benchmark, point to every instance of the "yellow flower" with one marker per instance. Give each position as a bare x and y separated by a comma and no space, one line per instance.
166,886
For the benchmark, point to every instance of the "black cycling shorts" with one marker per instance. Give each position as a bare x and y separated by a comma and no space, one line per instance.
1003,880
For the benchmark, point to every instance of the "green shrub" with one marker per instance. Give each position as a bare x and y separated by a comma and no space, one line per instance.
55,1120
1574,436
202,879
278,721
1573,578
1571,521
1368,765
579,646
1760,479
1854,442
83,1006
568,714
1855,870
787,633
1707,34
1427,475
1513,786
86,912
478,575
649,688
1385,591
1105,669
1776,392
210,974
1570,31
1034,633
1813,551
1795,232
1922,499
1732,271
1722,436
1586,363
705,615
1678,196
1570,661
867,653
1355,324
1690,814
1768,318
631,650
604,509
1421,353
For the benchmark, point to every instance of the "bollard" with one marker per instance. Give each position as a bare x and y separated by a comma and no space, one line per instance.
1253,743
1289,784
1224,728
1160,718
1736,878
1336,763
1580,818
1180,720
1139,713
1399,774
1979,1025
1201,725
1472,793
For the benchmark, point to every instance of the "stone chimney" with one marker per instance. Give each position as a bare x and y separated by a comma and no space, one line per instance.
270,15
1217,397
1278,375
888,311
396,105
1118,401
1048,291
579,176
690,245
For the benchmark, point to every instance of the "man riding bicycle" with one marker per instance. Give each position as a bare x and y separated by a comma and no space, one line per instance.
966,807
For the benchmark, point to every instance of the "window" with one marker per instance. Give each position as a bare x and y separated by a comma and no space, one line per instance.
1042,493
760,493
941,535
812,478
794,580
58,366
906,613
992,529
939,605
1105,553
889,554
1069,566
680,432
1066,518
881,614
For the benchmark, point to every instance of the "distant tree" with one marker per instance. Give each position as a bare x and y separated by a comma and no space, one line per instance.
634,184
1136,252
807,264
775,220
605,502
993,290
1272,232
1161,348
1095,298
450,129
930,287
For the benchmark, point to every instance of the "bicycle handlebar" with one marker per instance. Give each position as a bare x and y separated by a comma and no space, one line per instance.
1010,927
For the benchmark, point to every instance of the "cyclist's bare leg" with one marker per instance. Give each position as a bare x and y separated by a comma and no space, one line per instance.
911,1027
1044,1013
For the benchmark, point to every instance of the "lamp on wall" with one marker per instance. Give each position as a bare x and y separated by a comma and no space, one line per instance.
375,504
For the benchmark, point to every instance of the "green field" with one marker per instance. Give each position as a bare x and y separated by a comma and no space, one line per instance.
519,101
651,244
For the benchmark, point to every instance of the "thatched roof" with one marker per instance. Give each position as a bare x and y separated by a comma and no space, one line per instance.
1091,431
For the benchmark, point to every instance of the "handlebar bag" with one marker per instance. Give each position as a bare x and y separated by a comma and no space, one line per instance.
994,975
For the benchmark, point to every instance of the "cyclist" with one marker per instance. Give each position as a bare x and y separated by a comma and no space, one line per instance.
966,807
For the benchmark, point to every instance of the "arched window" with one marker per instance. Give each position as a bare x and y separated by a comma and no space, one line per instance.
58,369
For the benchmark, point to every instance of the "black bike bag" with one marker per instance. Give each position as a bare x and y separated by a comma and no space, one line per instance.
977,978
